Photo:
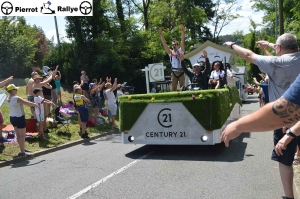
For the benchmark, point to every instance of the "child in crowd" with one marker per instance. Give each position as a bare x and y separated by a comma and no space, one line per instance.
39,111
58,85
17,115
120,92
80,104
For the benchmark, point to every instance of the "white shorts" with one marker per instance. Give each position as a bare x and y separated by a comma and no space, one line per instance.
113,108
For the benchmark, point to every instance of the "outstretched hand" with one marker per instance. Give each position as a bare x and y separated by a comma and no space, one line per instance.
262,44
229,133
228,43
204,53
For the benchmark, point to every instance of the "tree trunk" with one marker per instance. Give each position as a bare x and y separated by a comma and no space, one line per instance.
120,14
281,23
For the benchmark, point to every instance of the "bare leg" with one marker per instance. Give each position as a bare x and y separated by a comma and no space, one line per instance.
113,121
83,127
21,133
41,129
96,112
298,151
18,135
286,174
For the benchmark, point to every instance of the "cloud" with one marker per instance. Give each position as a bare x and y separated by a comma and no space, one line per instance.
243,23
62,35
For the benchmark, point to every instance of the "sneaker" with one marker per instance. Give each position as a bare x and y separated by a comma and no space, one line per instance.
27,151
296,160
23,154
85,136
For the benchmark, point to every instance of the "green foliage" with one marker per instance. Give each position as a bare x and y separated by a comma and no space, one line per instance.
21,46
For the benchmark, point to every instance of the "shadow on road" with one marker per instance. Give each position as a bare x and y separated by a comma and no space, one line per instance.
252,99
216,153
25,164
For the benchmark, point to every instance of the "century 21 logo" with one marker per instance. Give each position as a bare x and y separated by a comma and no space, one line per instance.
164,118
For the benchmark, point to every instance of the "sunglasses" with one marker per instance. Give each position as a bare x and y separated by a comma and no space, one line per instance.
197,66
174,44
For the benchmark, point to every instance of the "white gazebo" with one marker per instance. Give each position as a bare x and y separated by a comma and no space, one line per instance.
215,52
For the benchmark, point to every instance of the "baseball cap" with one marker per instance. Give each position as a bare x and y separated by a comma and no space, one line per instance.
11,87
36,90
196,65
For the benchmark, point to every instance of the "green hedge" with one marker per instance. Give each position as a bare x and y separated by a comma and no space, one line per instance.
205,105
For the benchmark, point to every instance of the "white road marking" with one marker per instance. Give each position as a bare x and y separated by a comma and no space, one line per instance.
107,177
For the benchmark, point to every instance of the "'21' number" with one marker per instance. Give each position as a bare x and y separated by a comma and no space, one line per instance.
167,117
158,72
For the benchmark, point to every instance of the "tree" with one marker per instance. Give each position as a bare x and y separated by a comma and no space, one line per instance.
225,12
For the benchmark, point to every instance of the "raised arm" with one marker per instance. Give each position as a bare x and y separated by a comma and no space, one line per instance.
59,74
114,86
246,54
266,44
184,68
47,86
207,63
6,81
163,41
182,37
255,81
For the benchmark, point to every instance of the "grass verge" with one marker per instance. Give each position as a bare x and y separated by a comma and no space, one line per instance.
56,137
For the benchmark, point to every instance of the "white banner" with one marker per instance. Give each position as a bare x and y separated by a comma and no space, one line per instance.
47,8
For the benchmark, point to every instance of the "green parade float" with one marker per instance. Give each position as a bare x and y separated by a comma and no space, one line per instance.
195,117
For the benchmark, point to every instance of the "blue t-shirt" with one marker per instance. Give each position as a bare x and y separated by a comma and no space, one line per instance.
265,90
293,93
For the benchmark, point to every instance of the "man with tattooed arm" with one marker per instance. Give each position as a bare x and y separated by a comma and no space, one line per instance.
282,71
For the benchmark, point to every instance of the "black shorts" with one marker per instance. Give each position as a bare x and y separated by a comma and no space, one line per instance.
18,122
288,155
85,86
47,97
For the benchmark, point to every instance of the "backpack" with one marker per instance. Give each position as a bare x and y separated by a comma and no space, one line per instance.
103,112
91,122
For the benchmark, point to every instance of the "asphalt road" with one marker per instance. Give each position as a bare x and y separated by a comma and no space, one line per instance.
109,169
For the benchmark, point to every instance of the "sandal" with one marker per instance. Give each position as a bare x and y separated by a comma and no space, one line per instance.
296,160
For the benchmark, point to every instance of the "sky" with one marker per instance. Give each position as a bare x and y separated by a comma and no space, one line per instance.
242,23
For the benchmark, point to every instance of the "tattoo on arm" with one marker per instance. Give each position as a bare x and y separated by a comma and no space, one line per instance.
288,111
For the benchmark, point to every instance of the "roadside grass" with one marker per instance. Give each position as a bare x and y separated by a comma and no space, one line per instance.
58,136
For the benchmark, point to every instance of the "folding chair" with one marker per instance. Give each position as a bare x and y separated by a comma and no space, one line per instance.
61,119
